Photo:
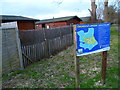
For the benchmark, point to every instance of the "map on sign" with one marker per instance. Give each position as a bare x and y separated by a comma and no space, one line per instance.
87,40
92,38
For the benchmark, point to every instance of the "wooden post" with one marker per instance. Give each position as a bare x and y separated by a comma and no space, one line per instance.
104,65
19,47
104,54
76,61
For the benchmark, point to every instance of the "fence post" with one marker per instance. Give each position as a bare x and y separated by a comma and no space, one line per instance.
72,28
61,39
19,48
76,61
46,44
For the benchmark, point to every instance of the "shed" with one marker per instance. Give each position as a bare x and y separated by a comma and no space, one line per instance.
24,23
57,22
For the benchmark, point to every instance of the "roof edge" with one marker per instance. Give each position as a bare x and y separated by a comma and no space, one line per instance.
50,20
14,17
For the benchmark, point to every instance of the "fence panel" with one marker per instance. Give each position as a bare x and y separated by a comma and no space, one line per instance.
38,44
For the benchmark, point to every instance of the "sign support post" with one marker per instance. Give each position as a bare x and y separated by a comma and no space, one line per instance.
76,61
88,39
104,65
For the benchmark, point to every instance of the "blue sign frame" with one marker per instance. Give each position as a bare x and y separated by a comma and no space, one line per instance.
92,38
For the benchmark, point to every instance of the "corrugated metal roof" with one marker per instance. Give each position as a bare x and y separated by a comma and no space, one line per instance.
57,19
11,17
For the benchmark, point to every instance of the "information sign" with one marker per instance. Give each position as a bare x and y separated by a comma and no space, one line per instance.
92,38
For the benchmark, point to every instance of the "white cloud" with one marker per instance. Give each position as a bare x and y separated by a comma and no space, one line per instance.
24,0
40,0
82,13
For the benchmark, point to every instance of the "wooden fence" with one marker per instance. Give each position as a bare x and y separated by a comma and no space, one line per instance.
39,44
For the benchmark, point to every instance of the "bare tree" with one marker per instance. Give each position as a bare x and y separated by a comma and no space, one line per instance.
106,10
112,11
100,9
93,11
112,14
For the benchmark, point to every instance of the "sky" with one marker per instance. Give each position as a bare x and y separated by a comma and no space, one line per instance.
45,9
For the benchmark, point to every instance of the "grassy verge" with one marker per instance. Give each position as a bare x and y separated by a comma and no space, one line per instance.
58,71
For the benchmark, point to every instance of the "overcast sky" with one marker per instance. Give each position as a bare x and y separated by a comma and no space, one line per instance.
45,9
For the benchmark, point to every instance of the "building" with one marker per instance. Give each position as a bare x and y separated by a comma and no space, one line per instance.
24,23
57,22
85,20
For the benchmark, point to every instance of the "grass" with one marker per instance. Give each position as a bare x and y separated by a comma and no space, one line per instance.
58,71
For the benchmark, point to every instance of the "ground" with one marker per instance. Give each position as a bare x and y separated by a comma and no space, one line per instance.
58,71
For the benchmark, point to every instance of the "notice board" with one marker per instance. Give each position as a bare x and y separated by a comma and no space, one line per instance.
92,38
